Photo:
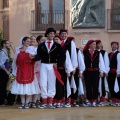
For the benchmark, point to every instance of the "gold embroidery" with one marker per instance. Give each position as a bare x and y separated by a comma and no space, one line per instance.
53,49
44,49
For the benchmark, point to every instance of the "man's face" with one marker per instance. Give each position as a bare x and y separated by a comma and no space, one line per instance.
114,46
99,46
92,45
51,35
7,44
63,35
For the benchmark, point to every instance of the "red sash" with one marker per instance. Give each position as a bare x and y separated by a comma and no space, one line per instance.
58,76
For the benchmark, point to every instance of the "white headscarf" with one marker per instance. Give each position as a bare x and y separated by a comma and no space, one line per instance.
20,45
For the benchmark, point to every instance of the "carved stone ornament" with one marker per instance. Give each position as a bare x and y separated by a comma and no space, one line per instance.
88,13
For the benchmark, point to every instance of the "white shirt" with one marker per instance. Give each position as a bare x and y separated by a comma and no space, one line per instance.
118,62
50,44
81,64
3,57
101,64
68,64
106,62
73,55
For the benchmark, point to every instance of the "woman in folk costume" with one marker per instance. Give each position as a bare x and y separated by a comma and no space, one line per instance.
25,84
103,84
95,67
64,70
71,47
50,54
78,74
32,49
114,74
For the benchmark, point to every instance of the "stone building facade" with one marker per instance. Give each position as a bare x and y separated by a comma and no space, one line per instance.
80,17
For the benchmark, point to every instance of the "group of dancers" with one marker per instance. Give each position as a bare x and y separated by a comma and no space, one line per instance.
58,74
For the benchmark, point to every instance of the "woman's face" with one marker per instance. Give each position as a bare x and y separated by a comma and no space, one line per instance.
26,43
33,41
57,40
42,39
92,45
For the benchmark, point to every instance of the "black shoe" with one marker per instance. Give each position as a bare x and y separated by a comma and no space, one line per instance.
22,106
75,105
43,106
27,106
51,107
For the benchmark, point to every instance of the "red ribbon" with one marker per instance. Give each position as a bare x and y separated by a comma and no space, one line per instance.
58,76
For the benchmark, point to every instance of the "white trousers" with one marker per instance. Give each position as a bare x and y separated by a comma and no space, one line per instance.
47,80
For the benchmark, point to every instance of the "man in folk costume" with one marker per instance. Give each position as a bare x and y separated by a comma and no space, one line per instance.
4,69
94,68
78,74
50,54
71,47
103,86
114,73
64,69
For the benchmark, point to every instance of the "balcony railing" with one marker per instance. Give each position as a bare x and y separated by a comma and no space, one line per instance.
113,19
43,19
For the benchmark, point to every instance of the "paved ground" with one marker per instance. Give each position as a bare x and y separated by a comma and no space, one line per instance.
81,113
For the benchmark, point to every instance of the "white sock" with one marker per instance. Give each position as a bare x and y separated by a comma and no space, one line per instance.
34,98
38,97
28,98
22,99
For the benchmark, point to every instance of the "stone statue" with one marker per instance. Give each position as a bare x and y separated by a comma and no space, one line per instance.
88,13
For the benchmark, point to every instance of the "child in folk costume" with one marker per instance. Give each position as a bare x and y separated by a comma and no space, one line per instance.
95,67
64,70
71,47
114,74
50,54
25,84
78,74
4,69
32,49
103,84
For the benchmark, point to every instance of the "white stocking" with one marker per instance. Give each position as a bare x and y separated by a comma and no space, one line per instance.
28,98
34,98
22,99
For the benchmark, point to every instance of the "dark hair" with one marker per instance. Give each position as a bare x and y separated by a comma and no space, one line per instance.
24,39
3,42
39,38
49,30
63,30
